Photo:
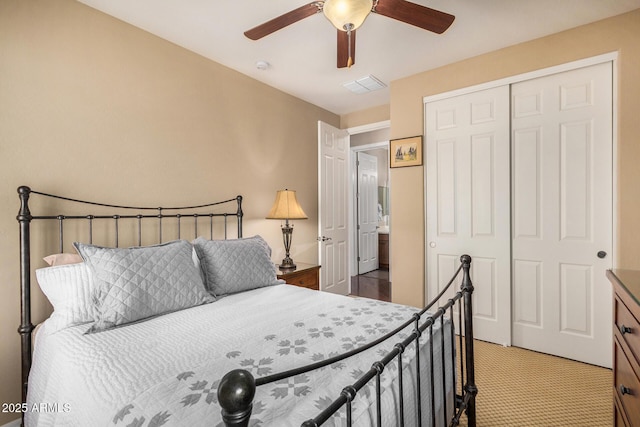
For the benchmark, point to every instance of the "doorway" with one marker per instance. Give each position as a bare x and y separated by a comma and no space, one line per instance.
369,219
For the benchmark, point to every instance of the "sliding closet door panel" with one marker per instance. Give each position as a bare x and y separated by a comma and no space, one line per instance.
562,213
445,266
486,301
575,168
576,299
468,200
446,184
527,210
482,186
527,296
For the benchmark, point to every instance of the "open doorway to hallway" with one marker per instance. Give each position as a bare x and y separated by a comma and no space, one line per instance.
370,195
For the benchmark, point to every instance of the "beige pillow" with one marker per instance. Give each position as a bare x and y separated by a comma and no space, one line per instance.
62,259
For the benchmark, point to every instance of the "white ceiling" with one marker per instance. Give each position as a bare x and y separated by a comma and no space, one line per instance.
302,56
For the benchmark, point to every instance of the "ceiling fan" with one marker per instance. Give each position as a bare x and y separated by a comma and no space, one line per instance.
348,15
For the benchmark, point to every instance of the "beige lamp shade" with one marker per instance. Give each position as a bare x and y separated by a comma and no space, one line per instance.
347,14
286,206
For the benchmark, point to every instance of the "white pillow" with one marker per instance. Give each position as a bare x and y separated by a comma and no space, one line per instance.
69,289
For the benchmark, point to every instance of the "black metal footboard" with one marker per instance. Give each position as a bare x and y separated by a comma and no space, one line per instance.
237,388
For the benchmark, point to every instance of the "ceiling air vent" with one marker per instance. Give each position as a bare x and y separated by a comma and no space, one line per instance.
364,85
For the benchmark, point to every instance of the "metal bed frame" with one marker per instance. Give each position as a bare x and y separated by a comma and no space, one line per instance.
237,388
142,215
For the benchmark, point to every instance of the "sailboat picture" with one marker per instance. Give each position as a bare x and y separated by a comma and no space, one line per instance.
406,152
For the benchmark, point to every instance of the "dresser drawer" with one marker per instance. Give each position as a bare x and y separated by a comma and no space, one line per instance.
618,417
627,384
629,329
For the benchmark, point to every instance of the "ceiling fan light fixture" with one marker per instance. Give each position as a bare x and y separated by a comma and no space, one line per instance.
347,15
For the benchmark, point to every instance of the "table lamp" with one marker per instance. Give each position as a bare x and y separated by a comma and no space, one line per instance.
286,207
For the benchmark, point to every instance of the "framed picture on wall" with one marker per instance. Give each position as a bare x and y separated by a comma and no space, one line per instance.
405,152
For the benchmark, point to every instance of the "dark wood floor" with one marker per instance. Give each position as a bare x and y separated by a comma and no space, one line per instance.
374,284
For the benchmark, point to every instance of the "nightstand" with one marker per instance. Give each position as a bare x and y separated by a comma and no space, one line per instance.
305,276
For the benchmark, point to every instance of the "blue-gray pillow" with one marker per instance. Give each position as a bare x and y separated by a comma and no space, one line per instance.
236,265
141,282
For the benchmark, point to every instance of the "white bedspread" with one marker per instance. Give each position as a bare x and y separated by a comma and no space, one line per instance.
165,371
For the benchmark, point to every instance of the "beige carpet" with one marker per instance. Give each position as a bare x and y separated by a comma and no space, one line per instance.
519,387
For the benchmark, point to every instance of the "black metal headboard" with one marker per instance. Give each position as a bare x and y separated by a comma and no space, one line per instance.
136,218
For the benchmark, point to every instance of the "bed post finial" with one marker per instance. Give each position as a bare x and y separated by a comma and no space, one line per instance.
23,192
26,327
470,386
235,394
466,277
240,215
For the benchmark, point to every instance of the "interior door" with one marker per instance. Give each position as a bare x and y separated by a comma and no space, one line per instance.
562,214
468,199
333,147
367,197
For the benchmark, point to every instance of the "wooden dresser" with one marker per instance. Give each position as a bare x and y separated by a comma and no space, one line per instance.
626,346
305,276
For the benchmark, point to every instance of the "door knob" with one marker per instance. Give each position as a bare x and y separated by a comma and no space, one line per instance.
323,239
602,254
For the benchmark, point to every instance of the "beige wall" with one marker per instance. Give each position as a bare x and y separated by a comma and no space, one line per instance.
621,34
96,109
365,117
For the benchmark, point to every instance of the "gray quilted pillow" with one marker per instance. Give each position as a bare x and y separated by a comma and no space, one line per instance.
236,265
141,282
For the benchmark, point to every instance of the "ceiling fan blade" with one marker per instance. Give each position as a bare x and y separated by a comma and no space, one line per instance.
343,49
283,20
415,14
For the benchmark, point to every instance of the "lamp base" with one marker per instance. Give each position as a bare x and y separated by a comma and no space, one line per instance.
287,264
287,234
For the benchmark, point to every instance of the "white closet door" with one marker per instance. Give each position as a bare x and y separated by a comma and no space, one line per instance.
468,200
562,208
367,213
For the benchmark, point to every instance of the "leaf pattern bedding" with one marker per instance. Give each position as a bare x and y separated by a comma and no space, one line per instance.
165,371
